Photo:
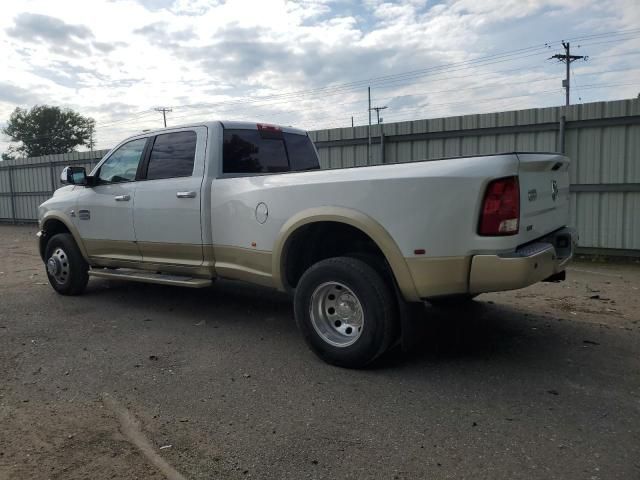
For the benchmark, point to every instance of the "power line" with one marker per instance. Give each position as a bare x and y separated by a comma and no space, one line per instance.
404,76
485,85
573,74
382,82
420,93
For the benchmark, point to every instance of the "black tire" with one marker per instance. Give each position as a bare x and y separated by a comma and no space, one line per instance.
380,325
452,300
74,278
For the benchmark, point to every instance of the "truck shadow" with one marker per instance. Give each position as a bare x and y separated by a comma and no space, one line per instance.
484,331
478,331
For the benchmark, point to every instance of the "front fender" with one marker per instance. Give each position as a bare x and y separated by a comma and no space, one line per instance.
55,215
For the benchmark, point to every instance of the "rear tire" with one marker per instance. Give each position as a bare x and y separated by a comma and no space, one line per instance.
66,268
346,312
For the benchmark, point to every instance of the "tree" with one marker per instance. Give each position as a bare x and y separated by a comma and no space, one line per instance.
46,130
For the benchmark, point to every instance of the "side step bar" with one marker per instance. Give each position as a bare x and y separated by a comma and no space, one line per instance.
150,277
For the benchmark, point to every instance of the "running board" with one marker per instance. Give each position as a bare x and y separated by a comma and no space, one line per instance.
150,277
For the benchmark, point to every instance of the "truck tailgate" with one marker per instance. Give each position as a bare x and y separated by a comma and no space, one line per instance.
544,194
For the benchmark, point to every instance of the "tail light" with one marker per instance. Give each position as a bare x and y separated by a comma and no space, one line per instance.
500,214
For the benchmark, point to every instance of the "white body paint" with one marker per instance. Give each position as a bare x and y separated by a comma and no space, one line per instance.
430,205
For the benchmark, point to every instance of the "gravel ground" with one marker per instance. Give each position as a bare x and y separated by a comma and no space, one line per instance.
538,383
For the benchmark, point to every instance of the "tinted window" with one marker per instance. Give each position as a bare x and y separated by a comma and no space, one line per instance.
122,165
302,155
172,155
245,151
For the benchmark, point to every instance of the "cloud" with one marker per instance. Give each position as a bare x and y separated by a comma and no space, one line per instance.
70,75
209,59
61,37
160,35
15,95
179,7
106,47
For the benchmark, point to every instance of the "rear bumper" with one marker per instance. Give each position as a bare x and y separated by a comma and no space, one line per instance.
526,266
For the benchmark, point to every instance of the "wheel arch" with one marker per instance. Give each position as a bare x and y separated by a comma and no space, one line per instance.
53,223
354,218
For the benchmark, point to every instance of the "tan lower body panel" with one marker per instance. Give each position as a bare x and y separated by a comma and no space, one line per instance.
180,259
172,253
243,264
219,260
112,249
439,276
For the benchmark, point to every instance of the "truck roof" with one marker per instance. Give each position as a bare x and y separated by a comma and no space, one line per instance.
231,124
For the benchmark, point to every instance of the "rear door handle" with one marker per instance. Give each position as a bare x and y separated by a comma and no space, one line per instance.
186,194
122,198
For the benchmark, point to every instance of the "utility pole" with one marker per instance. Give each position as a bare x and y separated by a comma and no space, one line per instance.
567,58
377,109
369,144
164,111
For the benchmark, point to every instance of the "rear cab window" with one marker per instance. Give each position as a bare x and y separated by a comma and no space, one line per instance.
266,150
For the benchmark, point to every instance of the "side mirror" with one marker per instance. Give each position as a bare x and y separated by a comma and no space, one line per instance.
74,176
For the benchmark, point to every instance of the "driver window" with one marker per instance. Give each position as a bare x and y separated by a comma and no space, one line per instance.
122,165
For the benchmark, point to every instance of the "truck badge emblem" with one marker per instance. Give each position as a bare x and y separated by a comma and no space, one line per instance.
533,195
554,190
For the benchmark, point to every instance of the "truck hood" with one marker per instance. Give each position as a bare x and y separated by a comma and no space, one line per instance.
63,190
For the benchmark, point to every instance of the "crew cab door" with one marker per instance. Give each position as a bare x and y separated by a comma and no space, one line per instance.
104,215
167,218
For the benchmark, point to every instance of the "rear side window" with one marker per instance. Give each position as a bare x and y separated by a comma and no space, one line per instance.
245,151
253,151
172,156
302,155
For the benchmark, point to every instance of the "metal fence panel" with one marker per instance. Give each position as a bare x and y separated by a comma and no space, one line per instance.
27,182
601,138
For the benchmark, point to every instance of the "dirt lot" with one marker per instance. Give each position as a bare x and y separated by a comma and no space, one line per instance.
538,383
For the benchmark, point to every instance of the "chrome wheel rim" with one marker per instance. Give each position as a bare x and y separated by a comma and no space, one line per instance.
58,266
336,314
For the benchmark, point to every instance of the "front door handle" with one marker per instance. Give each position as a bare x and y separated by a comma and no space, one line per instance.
122,198
186,194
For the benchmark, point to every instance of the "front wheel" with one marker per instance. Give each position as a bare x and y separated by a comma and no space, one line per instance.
67,269
346,312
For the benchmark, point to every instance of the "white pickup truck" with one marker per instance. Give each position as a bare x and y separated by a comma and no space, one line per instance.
355,246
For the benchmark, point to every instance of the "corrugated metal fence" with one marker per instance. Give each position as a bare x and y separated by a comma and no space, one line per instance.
602,139
27,182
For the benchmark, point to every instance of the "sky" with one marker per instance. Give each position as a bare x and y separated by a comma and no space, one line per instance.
308,63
